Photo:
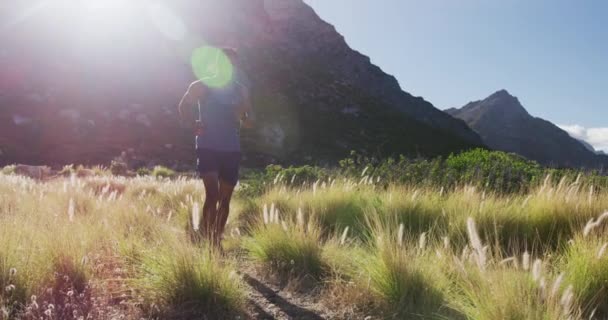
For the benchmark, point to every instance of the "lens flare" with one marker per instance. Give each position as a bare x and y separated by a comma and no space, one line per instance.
212,66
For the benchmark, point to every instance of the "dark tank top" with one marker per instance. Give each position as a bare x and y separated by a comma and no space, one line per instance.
218,113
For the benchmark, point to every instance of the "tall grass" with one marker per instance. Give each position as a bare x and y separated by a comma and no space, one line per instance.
402,272
509,294
544,219
585,264
430,253
401,251
288,247
189,283
78,246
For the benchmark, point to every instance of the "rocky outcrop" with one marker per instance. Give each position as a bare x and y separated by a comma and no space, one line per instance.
81,89
504,124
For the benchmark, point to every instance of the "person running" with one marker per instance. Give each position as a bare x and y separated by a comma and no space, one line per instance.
221,113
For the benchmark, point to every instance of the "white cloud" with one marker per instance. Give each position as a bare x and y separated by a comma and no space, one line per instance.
597,137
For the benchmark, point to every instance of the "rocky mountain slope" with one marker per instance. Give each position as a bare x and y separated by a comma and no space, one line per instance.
504,124
80,86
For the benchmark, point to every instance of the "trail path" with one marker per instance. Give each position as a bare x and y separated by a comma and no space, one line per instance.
269,302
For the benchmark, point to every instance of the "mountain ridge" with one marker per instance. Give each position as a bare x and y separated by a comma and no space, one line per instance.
504,124
317,99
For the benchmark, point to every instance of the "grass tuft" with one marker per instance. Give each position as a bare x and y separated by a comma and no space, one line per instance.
8,170
163,172
288,249
585,264
190,283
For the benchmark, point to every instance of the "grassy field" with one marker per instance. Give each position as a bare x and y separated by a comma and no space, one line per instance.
107,247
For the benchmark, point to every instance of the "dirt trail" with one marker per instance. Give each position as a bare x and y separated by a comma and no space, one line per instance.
268,302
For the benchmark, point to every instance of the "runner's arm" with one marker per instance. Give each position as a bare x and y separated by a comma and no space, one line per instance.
186,107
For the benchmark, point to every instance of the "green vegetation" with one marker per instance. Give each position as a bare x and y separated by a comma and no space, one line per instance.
493,171
8,170
189,283
163,172
403,274
381,238
84,246
290,249
143,171
585,264
119,168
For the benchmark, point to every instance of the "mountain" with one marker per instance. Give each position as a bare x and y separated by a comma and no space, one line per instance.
82,86
504,124
590,147
587,145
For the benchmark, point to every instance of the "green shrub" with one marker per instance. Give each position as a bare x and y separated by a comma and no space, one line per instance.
8,170
507,294
101,171
494,171
14,291
190,283
334,209
295,175
143,171
163,172
585,264
119,168
67,170
405,284
497,170
289,250
402,274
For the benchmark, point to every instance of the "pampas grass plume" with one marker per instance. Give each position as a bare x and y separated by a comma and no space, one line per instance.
400,234
525,261
71,210
557,284
344,235
196,216
537,269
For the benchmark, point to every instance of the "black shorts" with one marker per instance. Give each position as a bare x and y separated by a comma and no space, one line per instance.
225,164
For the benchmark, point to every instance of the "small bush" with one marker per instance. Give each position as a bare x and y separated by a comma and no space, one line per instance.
8,170
498,170
119,168
163,172
143,171
405,285
493,171
190,283
290,250
66,171
13,292
402,274
295,175
101,171
83,172
334,208
586,267
509,294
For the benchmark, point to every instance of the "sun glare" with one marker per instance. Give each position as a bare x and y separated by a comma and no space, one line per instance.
104,7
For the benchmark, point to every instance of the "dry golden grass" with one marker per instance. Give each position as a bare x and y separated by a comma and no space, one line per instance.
103,246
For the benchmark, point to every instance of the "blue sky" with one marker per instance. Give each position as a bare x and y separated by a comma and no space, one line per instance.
551,54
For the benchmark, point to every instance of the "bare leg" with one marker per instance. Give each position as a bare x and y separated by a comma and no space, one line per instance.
210,180
225,195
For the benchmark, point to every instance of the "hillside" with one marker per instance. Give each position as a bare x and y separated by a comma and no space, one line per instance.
504,124
79,87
